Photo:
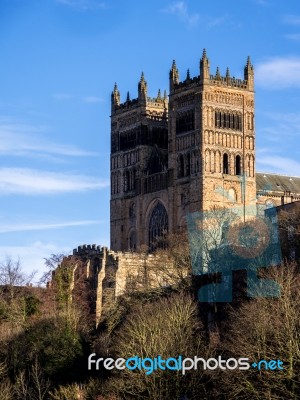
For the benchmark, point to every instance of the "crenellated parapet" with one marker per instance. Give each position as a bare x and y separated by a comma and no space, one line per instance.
206,78
89,250
143,100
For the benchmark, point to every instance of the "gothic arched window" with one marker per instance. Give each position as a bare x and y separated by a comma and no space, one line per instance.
158,227
126,181
225,164
237,165
180,166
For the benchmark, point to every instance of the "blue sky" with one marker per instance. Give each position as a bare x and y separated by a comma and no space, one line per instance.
59,62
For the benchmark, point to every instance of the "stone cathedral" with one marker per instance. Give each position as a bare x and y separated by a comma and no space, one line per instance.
170,155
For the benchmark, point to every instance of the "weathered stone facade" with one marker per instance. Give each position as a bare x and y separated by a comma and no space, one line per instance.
110,274
170,158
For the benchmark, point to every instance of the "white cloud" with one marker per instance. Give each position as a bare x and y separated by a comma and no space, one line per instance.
181,11
293,36
278,164
83,5
292,19
92,99
32,256
27,181
19,139
46,226
262,2
278,124
279,73
62,96
216,21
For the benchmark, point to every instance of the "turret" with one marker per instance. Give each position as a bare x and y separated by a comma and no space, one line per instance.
115,97
227,76
249,74
142,89
174,76
165,99
204,68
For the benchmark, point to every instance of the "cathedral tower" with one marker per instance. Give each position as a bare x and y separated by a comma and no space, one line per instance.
139,168
211,140
172,158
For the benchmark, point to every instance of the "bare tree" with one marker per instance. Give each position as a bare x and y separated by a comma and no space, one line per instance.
266,329
51,264
168,327
12,275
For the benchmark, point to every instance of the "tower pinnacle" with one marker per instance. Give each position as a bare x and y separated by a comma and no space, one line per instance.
142,89
249,74
204,68
115,96
174,75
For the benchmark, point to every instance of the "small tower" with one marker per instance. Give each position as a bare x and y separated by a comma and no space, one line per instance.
204,68
249,74
227,76
165,100
174,76
115,97
218,75
142,89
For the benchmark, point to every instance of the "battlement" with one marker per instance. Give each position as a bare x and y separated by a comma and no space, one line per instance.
227,81
206,78
142,100
89,250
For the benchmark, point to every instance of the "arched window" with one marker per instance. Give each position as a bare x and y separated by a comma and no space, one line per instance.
237,165
180,166
188,164
225,164
158,227
132,241
126,181
132,210
232,195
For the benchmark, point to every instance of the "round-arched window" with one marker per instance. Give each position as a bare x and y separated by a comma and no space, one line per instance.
158,227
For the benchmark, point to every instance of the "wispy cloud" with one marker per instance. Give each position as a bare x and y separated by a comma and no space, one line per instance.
27,181
291,19
180,9
45,226
292,36
93,99
278,124
62,96
278,164
21,139
32,256
83,5
262,2
279,73
216,21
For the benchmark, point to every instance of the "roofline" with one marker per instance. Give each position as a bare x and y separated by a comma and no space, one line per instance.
274,173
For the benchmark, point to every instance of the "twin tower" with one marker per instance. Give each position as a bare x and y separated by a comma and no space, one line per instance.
177,154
